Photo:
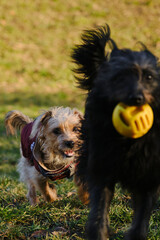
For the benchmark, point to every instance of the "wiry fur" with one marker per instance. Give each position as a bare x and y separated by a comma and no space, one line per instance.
106,157
56,132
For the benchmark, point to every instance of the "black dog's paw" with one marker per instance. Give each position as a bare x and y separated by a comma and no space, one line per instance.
135,235
95,233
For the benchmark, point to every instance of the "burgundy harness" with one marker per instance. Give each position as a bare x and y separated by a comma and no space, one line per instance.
27,145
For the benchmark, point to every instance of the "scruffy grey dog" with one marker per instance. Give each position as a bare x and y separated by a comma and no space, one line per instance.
48,148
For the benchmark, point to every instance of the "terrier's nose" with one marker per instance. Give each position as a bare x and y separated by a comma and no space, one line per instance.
69,144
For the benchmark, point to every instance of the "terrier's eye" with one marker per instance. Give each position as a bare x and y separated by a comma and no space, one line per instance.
57,131
75,129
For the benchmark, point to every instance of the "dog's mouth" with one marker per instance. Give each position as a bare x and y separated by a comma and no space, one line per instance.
68,153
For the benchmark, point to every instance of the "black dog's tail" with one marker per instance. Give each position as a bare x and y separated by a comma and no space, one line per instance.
15,120
91,54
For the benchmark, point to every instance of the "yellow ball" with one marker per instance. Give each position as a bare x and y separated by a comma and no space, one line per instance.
132,121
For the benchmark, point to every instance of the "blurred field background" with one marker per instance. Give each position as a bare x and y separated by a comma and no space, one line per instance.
36,39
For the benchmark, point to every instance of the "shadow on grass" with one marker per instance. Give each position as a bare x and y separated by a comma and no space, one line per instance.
29,99
74,202
9,150
8,171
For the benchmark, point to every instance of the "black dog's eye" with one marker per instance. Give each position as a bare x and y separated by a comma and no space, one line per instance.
75,129
149,77
57,131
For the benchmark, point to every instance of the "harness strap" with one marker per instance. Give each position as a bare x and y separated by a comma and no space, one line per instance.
56,175
27,145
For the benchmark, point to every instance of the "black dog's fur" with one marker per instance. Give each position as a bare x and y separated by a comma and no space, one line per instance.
107,158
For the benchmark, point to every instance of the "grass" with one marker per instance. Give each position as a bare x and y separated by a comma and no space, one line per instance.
35,73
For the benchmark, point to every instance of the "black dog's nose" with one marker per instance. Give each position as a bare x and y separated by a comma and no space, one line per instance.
137,99
69,144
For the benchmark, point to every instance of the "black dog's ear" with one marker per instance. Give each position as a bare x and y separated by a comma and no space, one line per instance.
148,53
91,54
151,56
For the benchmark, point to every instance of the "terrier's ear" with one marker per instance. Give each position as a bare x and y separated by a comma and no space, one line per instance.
39,122
90,55
46,117
78,113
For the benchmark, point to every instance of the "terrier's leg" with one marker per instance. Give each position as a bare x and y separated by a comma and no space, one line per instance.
31,195
49,193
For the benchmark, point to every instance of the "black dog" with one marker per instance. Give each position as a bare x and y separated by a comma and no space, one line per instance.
106,157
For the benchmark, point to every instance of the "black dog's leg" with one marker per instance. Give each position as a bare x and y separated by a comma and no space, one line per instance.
98,223
143,205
